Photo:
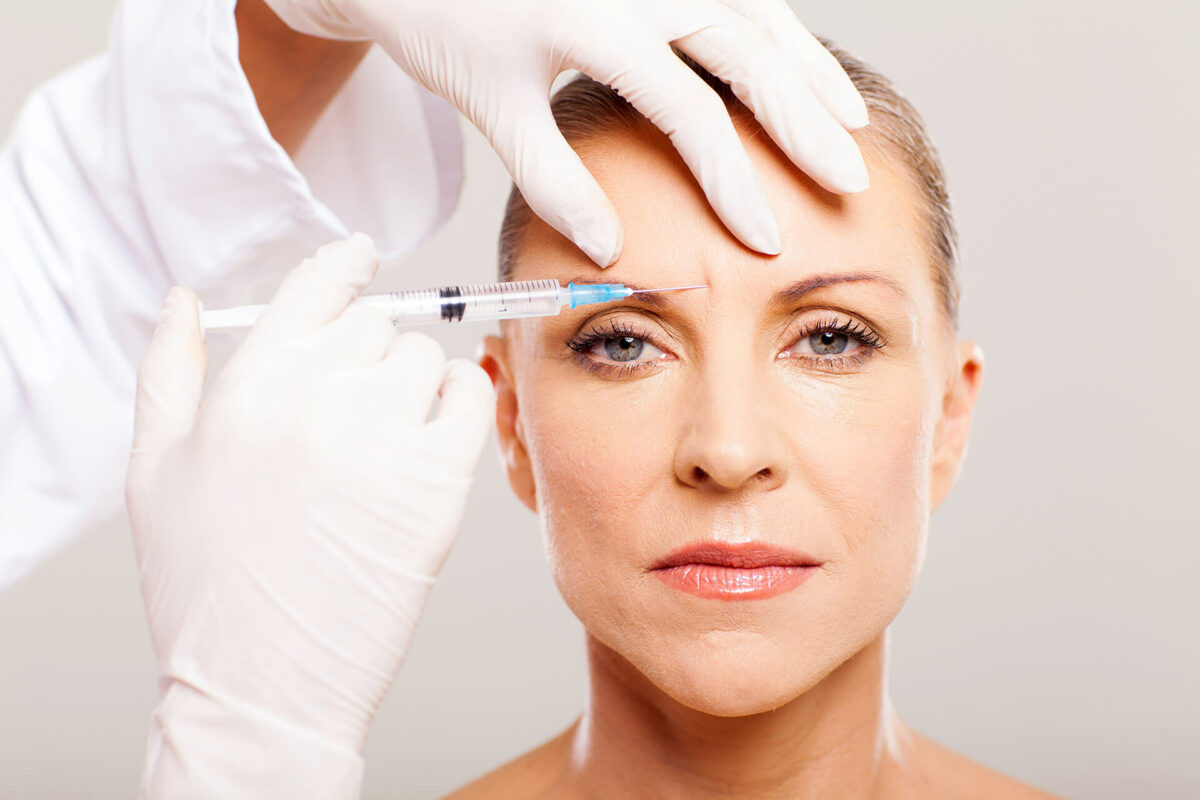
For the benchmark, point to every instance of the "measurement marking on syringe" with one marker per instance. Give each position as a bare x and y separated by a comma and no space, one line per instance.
461,303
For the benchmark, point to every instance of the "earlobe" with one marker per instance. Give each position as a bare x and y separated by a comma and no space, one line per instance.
494,361
958,404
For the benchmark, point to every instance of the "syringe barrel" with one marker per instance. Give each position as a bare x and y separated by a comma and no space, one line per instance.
480,301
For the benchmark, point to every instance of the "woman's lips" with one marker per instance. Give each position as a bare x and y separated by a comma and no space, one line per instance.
721,571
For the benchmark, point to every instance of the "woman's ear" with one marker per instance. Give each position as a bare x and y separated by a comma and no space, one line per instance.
494,361
958,403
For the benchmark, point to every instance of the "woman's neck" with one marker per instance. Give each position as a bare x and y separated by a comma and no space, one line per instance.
839,739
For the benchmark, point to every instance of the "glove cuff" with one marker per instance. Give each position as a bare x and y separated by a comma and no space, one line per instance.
204,747
318,18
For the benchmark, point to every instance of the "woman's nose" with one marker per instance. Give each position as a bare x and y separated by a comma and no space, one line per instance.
731,439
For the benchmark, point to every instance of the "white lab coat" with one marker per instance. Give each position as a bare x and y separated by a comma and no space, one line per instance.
149,166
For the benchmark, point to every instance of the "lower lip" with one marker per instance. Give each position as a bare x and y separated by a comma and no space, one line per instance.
714,582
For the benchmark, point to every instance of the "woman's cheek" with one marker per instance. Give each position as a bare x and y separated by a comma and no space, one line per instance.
887,547
861,452
595,462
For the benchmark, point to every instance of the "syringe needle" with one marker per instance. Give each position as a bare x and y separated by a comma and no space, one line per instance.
671,289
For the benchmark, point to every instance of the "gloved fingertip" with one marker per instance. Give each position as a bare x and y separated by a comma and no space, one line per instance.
764,235
362,242
318,290
181,311
366,258
600,242
171,375
170,304
853,112
353,256
620,246
852,176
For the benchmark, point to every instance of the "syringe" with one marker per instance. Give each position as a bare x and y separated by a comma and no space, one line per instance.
479,301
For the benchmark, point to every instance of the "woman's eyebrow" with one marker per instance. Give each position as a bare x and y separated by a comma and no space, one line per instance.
800,288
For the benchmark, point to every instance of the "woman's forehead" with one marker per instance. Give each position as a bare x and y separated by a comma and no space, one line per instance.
673,237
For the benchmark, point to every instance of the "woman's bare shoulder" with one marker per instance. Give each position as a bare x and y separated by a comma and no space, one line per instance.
533,775
950,775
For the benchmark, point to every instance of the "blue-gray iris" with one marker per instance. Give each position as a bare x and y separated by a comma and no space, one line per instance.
828,342
624,348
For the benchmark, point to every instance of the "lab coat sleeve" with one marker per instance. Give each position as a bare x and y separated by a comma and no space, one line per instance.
149,166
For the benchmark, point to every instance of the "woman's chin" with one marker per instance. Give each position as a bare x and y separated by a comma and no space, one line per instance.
729,703
733,677
739,695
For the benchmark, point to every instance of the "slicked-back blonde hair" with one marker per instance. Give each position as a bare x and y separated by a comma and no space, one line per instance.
585,109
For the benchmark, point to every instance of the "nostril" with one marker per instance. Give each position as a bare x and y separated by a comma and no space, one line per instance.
699,475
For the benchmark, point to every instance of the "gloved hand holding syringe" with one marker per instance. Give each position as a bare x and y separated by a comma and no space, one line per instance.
291,515
470,303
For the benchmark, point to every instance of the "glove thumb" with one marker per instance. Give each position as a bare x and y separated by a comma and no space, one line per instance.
171,377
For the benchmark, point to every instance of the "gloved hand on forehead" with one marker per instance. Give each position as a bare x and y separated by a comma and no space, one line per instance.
288,526
496,61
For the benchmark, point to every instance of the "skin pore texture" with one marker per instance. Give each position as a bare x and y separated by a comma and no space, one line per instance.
736,422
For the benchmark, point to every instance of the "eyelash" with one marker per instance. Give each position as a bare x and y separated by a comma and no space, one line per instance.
583,342
866,337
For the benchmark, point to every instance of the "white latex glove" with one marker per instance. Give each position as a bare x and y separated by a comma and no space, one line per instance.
496,61
288,528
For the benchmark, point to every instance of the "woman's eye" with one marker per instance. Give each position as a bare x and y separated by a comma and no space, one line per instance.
834,344
624,349
825,343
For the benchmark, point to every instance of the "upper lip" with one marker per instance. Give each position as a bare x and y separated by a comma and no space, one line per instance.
745,555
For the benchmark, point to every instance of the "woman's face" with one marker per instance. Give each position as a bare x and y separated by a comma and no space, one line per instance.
814,402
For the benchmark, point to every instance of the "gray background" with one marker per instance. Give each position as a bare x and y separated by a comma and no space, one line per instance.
1054,632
